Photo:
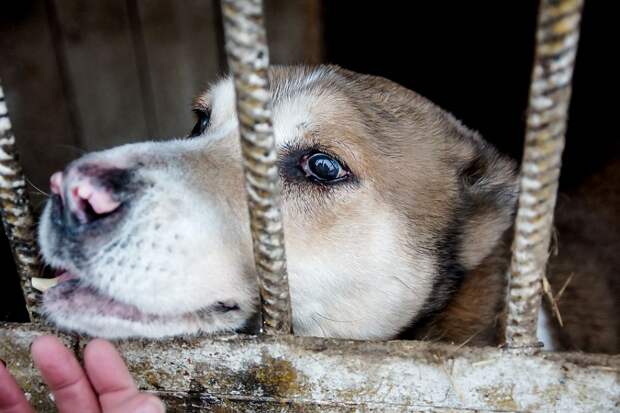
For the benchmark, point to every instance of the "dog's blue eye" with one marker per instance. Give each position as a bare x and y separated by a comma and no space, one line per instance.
324,168
202,122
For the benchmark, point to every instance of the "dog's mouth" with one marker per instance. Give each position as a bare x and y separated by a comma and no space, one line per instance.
67,293
104,287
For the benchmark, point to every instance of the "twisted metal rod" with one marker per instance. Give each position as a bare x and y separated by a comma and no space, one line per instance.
15,210
248,58
550,90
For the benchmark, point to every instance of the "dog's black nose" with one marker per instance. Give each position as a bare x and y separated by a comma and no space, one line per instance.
87,193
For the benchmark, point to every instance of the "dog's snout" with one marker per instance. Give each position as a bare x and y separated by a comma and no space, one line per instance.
86,193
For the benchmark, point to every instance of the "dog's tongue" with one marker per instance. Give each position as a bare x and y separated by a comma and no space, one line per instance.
44,284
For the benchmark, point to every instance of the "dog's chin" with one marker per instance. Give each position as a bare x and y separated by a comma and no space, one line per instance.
74,306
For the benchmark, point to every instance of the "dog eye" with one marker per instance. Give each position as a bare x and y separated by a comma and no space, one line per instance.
323,168
202,122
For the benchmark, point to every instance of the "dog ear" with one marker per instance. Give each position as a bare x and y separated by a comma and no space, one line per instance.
489,192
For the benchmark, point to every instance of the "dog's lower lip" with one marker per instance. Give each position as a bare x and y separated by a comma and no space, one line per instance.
66,276
72,294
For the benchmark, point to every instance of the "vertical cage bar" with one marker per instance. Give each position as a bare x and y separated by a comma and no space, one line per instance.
248,59
15,209
550,90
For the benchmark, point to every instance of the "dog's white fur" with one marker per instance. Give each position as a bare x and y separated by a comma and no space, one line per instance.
414,244
185,243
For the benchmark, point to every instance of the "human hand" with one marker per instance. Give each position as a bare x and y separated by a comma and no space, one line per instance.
104,385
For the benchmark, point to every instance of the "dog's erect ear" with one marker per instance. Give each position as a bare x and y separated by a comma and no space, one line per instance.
489,193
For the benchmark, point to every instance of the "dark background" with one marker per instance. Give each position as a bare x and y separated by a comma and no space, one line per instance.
472,58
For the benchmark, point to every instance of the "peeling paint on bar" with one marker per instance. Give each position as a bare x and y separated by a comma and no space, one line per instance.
550,90
15,210
285,373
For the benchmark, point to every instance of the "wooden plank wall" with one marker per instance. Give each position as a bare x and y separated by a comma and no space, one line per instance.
85,75
88,75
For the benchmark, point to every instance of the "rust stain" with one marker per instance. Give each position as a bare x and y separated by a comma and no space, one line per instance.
500,397
269,377
277,377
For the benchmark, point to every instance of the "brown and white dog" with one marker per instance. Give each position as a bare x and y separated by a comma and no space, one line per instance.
396,218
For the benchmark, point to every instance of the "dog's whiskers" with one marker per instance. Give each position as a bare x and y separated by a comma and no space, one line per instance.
320,326
337,321
404,283
38,190
79,150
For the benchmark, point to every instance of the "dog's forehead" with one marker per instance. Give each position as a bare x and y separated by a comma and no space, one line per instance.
301,102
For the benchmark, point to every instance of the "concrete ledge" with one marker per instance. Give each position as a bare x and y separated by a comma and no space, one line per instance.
303,373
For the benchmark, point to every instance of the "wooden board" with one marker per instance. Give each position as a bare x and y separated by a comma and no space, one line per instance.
294,31
41,118
36,96
182,46
103,71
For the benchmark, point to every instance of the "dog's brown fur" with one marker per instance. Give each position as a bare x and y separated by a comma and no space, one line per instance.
415,243
485,191
475,314
586,264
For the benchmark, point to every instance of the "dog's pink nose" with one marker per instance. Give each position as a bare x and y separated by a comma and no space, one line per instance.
84,192
85,196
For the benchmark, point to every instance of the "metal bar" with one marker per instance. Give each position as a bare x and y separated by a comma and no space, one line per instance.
248,59
550,90
15,210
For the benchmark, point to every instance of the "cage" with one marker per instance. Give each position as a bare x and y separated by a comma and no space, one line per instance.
277,371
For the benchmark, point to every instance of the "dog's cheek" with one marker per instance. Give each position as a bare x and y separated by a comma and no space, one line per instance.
355,276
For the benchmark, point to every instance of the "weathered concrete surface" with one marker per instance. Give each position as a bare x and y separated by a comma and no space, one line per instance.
15,341
241,373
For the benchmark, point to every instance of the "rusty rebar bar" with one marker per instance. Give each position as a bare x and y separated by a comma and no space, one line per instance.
248,59
550,90
15,210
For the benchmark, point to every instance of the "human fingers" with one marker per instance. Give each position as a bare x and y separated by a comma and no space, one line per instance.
64,376
108,374
12,399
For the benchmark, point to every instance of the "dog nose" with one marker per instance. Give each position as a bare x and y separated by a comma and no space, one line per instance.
85,196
